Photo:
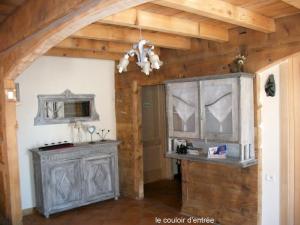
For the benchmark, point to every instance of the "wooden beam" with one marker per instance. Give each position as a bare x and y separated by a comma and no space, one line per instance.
168,24
6,8
94,45
76,53
129,35
224,11
295,3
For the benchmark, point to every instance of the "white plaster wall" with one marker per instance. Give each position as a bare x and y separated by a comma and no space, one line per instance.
270,149
53,75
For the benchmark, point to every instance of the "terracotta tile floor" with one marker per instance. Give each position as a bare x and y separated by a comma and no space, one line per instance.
162,199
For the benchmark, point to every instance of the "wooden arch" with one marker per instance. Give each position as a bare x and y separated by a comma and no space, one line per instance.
33,29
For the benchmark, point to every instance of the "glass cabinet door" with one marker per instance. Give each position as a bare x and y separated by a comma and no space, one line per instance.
219,109
183,109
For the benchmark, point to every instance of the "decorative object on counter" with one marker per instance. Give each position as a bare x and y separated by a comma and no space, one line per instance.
54,146
270,86
218,152
91,129
177,142
182,149
103,134
65,108
146,57
78,125
238,64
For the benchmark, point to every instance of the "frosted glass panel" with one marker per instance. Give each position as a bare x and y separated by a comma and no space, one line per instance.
218,107
184,106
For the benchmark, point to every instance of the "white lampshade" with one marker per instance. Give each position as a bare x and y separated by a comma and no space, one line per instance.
123,63
154,59
146,68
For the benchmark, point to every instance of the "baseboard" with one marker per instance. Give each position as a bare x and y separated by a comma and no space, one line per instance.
28,211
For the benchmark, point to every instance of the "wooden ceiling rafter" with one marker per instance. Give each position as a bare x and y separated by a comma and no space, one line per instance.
81,53
295,3
223,11
156,22
94,45
73,47
131,35
172,24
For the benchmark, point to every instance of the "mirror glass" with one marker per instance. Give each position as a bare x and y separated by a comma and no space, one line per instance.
65,108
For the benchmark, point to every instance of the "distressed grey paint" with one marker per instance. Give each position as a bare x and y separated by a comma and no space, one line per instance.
72,177
242,122
66,96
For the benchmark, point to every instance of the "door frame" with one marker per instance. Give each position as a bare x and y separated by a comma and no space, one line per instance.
166,162
18,53
288,140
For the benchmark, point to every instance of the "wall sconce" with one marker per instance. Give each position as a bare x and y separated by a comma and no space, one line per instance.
12,93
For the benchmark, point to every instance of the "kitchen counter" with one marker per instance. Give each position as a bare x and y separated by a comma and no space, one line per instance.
203,158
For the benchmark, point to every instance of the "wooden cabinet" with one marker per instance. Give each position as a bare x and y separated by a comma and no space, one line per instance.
98,177
183,109
75,176
64,184
213,110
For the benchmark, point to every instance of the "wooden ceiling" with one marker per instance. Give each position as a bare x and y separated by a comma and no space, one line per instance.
168,24
7,7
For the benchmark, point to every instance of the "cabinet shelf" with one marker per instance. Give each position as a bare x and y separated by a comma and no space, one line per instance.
203,158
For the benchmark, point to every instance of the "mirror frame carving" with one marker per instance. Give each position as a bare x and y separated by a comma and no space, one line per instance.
66,96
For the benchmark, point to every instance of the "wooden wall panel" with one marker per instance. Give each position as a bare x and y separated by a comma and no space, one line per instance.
212,58
2,194
226,193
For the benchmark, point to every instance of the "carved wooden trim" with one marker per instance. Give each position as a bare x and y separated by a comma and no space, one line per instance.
66,96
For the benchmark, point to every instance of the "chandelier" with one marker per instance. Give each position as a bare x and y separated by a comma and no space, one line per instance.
146,58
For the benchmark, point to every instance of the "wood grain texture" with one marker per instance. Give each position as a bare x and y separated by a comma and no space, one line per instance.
210,58
130,35
296,71
287,146
228,194
94,45
294,3
224,11
23,39
162,23
80,53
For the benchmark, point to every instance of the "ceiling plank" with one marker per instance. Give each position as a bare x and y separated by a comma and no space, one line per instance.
6,9
167,24
94,45
224,11
77,53
295,3
129,35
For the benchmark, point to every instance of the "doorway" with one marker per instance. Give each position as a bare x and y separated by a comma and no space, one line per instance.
159,182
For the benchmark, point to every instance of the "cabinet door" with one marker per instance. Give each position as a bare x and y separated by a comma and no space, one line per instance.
183,109
219,109
98,177
64,184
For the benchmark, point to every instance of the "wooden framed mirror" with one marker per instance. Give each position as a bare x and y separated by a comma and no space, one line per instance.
65,108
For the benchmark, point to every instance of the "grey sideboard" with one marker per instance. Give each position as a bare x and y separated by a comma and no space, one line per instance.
75,176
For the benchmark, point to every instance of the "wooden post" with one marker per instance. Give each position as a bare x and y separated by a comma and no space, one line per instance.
137,141
10,161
